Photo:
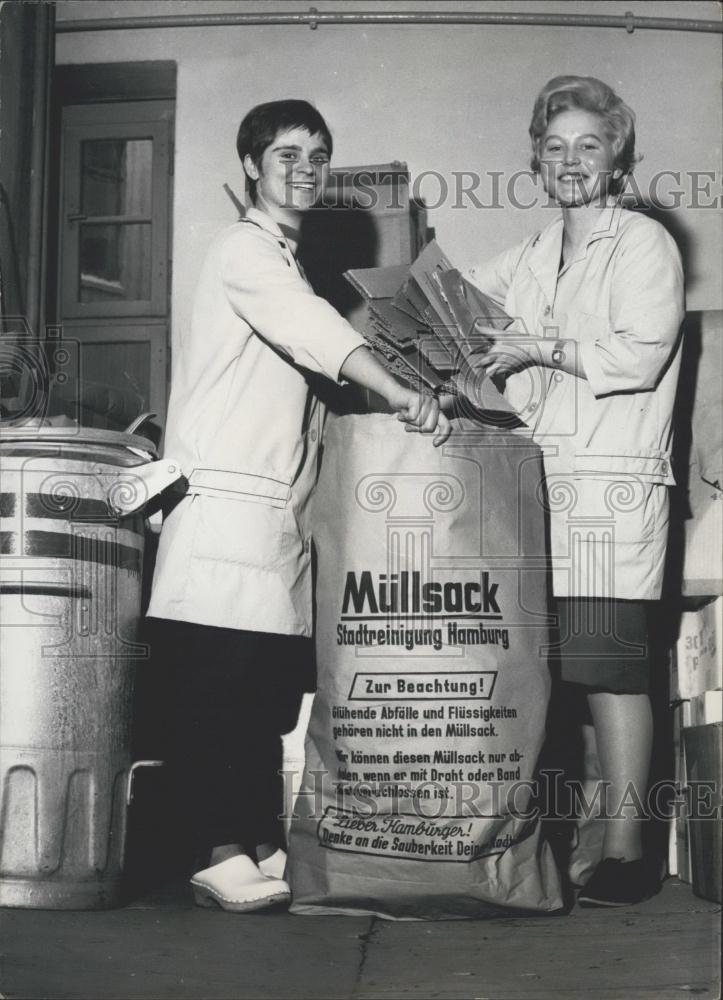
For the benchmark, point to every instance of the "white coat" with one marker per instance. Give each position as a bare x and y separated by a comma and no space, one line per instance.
246,429
606,439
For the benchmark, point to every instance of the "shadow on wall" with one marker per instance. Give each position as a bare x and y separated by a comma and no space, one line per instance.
689,420
698,439
333,240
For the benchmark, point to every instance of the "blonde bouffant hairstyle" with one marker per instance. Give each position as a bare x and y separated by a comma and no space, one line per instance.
586,93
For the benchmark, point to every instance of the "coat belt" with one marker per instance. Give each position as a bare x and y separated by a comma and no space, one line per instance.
247,486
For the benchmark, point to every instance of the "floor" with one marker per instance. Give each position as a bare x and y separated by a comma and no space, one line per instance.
161,946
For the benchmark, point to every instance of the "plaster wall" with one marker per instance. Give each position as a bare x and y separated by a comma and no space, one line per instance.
445,99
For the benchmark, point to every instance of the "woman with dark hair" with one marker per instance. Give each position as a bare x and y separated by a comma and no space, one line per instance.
232,585
597,298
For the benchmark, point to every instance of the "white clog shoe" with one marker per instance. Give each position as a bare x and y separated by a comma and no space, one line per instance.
274,866
238,886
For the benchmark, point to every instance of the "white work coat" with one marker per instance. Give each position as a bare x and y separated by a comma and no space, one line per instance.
606,439
246,429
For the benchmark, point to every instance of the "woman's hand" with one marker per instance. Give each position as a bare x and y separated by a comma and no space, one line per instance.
508,353
507,356
421,412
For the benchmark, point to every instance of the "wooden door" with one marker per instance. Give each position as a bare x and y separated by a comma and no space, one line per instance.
114,267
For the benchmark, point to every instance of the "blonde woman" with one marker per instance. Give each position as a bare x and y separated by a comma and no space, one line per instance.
598,301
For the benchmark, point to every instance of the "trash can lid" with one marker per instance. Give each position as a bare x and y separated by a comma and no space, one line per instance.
78,443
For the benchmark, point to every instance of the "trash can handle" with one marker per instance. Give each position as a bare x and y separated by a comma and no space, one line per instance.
131,773
132,489
138,422
49,589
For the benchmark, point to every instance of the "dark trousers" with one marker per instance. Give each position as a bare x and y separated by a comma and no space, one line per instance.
231,695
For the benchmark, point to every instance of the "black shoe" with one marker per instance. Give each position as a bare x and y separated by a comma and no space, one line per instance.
618,883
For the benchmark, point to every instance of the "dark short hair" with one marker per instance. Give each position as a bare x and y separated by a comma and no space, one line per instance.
263,123
586,93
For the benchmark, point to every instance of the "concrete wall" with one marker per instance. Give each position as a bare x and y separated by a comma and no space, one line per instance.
445,99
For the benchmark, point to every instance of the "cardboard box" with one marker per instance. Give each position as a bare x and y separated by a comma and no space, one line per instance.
706,708
704,764
704,544
699,651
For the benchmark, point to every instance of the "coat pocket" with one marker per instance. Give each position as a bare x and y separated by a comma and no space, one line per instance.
584,327
623,509
239,532
241,517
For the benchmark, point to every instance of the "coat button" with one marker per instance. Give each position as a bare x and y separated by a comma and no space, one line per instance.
664,468
313,435
548,310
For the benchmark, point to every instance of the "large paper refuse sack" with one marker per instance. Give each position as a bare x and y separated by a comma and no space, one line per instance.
418,794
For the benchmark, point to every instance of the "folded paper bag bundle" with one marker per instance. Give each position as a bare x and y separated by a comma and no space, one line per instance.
416,800
423,322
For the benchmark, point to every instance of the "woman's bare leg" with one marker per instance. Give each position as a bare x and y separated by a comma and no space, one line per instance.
624,736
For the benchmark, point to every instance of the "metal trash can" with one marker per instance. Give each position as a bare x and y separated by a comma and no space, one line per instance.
71,559
704,764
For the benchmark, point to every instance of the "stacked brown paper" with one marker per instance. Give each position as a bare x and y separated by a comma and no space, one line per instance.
424,321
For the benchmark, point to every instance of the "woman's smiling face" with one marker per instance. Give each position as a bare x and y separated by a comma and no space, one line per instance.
577,158
292,173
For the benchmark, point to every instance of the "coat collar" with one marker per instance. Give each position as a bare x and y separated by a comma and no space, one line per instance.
609,221
544,257
266,223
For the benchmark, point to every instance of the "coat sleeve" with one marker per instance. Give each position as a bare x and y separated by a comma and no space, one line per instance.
494,277
646,310
272,297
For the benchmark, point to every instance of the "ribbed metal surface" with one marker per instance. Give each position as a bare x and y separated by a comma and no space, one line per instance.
70,592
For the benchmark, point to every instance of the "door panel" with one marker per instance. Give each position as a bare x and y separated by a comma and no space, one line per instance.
114,372
114,254
115,257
